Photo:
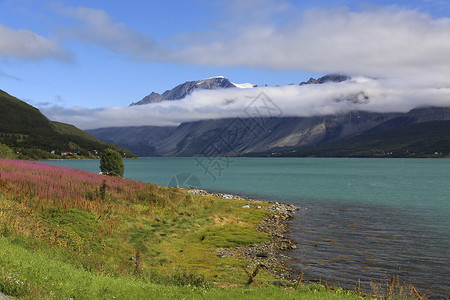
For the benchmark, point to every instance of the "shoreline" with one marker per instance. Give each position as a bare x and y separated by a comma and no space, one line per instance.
266,255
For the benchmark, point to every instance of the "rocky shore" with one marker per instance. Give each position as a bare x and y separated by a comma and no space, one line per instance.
220,195
267,255
4,297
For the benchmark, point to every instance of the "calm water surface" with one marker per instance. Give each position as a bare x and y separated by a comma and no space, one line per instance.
359,218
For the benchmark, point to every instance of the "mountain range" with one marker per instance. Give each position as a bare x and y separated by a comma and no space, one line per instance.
278,136
219,82
422,131
181,91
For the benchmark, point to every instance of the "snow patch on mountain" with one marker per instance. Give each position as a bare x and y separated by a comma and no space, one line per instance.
243,85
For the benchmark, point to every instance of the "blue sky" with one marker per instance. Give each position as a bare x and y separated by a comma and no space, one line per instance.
77,59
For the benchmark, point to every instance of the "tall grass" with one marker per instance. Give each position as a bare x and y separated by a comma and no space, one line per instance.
66,187
66,233
98,222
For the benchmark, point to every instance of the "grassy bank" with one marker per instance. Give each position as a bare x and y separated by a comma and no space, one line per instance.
67,233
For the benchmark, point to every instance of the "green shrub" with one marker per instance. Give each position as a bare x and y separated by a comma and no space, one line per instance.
111,163
187,278
6,152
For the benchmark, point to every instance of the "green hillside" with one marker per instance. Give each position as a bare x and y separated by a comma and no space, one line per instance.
429,139
27,131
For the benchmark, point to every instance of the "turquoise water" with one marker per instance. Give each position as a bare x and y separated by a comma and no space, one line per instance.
359,218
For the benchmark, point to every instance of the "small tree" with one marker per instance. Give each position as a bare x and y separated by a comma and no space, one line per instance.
6,152
111,163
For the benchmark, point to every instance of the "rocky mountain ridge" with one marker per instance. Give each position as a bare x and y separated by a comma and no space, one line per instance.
219,82
327,78
187,88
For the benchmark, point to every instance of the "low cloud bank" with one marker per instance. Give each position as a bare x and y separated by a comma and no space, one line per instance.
360,93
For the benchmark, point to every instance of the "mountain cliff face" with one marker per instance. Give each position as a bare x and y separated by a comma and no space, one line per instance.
425,139
242,136
327,78
185,89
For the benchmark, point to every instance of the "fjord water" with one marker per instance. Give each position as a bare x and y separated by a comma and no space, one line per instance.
360,219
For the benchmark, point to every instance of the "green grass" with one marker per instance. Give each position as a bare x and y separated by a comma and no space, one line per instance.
140,242
25,274
230,236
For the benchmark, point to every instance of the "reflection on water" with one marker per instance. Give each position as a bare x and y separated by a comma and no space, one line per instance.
343,243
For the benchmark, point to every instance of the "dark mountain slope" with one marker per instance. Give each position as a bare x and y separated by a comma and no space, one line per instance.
141,140
236,136
26,130
428,139
17,117
241,136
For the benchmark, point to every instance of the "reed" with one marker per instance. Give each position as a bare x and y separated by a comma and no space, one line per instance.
358,287
391,288
299,280
416,292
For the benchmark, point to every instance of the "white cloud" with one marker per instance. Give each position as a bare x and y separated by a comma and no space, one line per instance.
97,27
26,44
382,42
374,41
357,94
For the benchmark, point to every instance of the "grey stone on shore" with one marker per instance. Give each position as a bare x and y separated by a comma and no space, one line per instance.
4,297
267,253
